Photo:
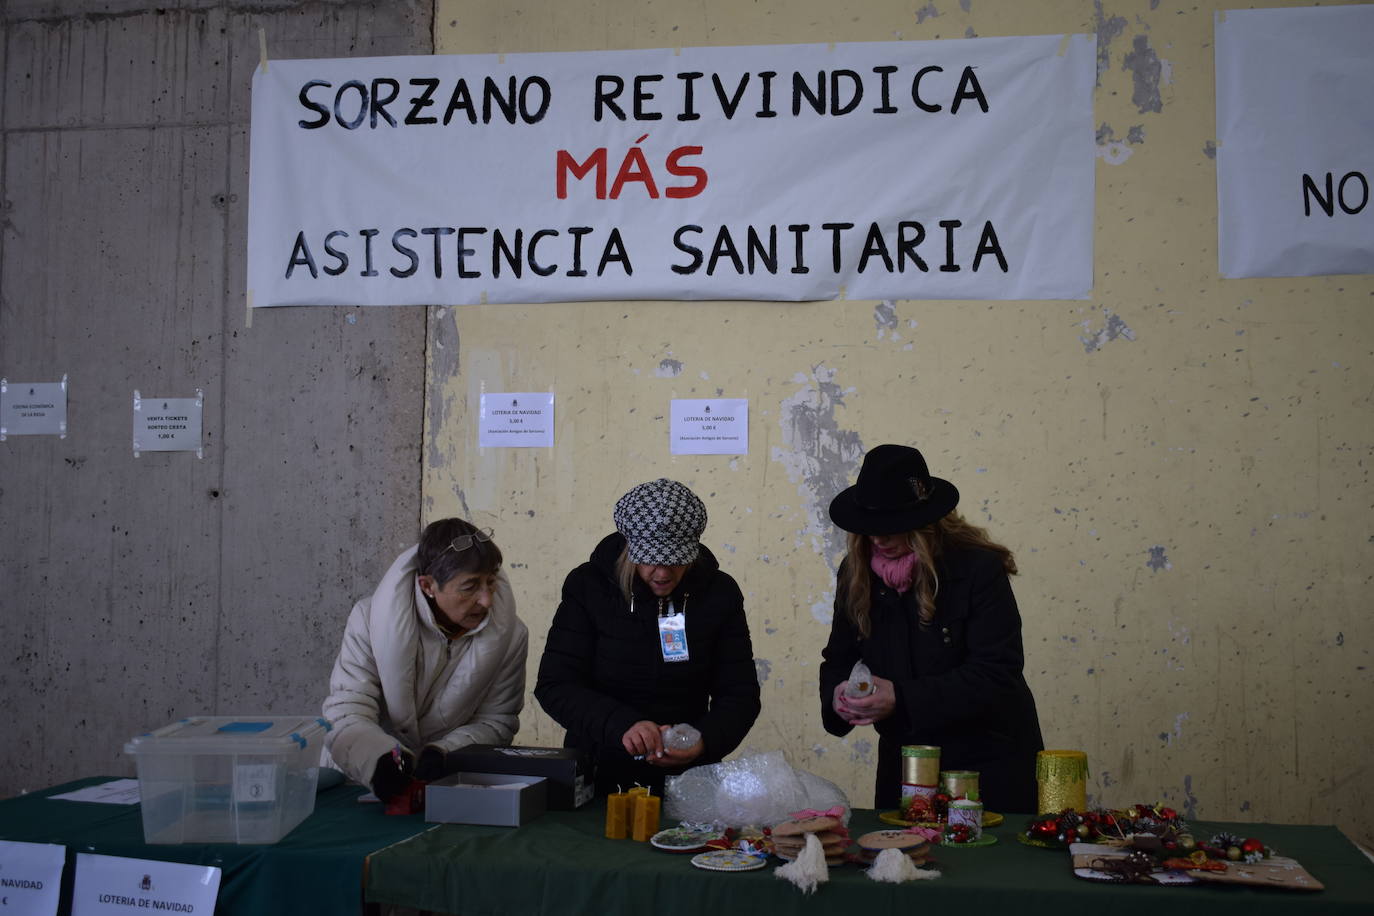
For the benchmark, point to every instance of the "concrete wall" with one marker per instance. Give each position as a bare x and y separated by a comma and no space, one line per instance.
1181,464
136,591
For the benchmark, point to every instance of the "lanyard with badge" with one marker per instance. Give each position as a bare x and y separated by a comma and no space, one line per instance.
672,631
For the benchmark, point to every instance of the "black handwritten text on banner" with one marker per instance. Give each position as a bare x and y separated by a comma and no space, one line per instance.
939,169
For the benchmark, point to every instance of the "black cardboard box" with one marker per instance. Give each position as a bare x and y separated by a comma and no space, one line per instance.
569,773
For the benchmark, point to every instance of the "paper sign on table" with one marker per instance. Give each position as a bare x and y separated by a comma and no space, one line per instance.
114,792
33,408
168,424
516,419
110,884
711,426
30,877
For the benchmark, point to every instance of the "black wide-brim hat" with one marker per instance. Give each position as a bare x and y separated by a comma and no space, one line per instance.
894,493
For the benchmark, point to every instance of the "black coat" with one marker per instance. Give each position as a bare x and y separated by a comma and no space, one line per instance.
603,669
958,681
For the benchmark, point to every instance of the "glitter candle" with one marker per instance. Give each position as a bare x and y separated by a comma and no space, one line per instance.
1062,779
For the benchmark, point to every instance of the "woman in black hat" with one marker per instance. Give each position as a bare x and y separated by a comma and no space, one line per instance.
650,633
924,599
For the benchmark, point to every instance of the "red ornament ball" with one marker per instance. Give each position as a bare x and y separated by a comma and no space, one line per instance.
1251,845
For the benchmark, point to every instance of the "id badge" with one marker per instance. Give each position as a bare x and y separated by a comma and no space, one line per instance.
672,637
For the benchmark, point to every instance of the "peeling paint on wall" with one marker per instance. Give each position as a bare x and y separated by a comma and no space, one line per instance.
1177,734
966,5
823,611
1158,560
862,750
1209,149
1107,29
444,364
1189,799
763,668
1113,328
819,456
668,368
1145,69
885,315
926,12
1136,134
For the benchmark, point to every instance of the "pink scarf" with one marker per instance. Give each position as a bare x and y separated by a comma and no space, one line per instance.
898,572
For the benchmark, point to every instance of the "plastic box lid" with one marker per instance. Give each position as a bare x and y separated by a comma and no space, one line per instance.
232,735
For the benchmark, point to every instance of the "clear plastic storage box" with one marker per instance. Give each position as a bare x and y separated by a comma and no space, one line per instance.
228,779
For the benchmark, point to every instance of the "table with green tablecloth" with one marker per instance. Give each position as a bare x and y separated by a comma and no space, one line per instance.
560,863
317,868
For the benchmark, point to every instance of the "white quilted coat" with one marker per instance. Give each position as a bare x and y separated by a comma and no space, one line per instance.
399,680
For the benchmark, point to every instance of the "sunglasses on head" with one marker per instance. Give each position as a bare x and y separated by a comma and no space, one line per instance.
464,541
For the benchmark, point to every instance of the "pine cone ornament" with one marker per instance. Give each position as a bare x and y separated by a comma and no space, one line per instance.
1225,840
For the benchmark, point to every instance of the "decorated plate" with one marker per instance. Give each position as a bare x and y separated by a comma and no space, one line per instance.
1160,877
728,860
986,839
1039,843
682,839
990,819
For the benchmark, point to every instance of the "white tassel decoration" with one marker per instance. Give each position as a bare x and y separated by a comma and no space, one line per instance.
895,867
809,870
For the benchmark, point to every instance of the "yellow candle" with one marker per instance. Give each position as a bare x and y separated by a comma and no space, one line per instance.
643,816
617,815
638,790
1062,780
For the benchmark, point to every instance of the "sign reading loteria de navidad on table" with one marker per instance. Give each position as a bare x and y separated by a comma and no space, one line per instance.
927,169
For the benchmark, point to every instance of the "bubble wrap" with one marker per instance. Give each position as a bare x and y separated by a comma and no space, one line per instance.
755,790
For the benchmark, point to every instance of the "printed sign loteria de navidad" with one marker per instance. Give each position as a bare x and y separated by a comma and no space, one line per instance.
921,169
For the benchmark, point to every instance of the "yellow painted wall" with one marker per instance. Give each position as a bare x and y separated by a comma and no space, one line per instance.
1182,464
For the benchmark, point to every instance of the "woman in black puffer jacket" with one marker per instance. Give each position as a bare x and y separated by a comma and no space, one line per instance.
650,633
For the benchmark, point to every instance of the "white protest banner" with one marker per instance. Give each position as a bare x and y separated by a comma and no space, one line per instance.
107,885
33,408
1295,127
30,877
955,169
516,419
709,426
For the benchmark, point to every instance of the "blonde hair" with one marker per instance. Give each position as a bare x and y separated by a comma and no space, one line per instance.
625,571
929,544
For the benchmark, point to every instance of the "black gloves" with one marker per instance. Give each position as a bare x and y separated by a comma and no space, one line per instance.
392,777
432,764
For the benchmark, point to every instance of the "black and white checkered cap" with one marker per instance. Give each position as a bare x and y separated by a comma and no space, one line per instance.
662,521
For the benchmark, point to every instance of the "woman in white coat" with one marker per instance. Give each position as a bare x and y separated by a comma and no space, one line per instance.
432,662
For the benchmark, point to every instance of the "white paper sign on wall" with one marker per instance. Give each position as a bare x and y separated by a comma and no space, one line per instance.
168,424
106,885
33,408
1295,124
711,426
30,877
516,419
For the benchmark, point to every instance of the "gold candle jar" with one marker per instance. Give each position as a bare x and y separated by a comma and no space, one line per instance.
960,783
921,765
1062,780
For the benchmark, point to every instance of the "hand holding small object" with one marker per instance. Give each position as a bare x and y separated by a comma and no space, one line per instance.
643,740
866,710
682,744
860,683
